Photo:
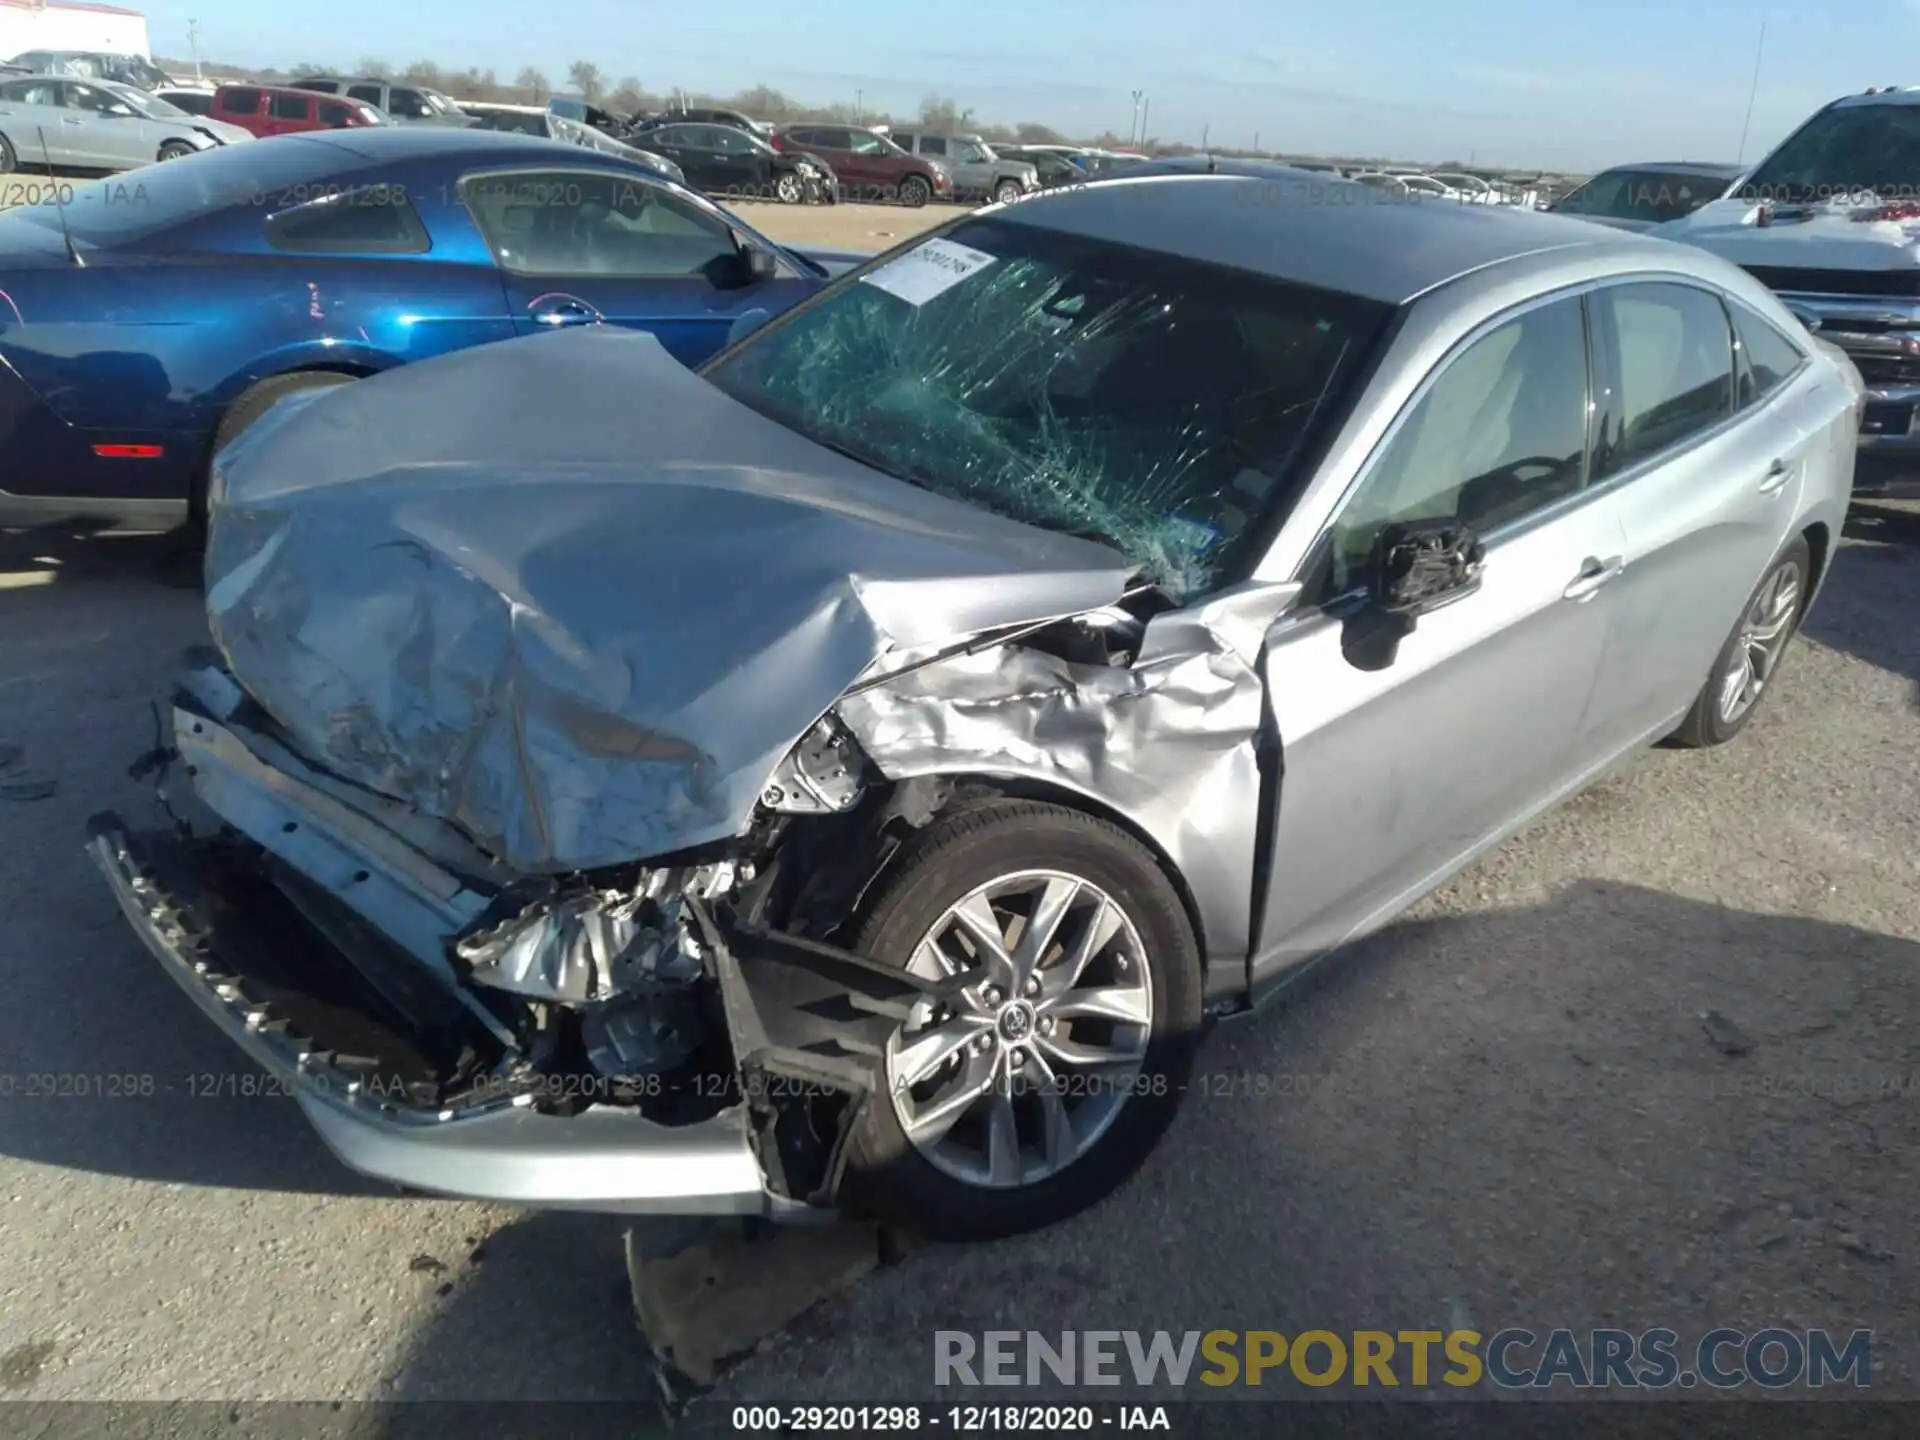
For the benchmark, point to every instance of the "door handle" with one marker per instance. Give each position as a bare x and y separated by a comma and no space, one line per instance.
1594,572
562,310
1778,474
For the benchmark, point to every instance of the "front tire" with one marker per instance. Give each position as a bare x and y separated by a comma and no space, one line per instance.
9,159
1059,1062
915,191
1007,191
786,189
1753,652
175,149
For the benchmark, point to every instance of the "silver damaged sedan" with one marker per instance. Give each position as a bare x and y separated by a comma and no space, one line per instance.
853,775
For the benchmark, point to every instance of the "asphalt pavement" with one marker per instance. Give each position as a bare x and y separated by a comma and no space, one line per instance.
1503,1111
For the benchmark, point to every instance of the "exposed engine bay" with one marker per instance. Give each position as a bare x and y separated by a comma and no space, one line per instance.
717,980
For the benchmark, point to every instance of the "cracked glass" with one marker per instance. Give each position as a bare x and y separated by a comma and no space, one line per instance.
1160,405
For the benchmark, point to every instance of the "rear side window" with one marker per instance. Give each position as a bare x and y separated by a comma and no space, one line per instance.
373,220
929,145
291,107
334,114
1672,353
240,102
330,87
1768,359
369,93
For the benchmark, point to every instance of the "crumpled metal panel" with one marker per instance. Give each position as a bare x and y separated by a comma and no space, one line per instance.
1167,741
566,595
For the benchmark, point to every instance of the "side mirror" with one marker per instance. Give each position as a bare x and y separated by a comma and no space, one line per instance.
761,264
1422,565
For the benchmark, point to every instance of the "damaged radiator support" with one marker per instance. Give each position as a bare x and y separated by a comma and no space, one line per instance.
807,1020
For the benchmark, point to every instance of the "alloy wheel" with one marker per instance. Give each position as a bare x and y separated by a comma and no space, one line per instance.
1763,638
1038,1038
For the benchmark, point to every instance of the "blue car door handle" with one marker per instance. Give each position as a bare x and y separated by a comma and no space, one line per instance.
562,310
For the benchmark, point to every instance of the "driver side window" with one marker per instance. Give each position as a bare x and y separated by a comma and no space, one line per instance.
1500,434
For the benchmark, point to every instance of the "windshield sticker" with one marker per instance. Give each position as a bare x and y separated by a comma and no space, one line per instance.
933,269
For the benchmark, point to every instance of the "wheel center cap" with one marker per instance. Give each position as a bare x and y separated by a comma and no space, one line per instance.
1016,1021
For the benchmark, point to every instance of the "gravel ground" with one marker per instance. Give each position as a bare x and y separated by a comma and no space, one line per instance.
1503,1111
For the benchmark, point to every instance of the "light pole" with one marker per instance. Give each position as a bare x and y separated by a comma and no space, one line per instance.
1133,130
1142,143
1759,50
193,44
859,105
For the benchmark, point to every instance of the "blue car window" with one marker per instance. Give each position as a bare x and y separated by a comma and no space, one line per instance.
373,220
584,223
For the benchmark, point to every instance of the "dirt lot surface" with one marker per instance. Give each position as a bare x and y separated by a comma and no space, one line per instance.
843,227
1504,1111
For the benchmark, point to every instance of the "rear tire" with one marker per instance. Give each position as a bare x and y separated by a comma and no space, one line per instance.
1751,657
915,191
254,402
9,161
1007,191
175,149
787,189
1121,946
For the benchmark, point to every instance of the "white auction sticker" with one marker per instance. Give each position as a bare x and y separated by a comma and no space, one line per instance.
935,267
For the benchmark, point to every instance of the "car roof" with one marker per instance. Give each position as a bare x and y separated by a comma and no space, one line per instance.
1681,167
1302,226
277,89
419,142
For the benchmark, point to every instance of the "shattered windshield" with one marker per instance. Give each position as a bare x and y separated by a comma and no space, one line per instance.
1157,404
1844,151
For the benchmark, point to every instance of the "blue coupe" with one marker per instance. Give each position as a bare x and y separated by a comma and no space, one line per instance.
145,320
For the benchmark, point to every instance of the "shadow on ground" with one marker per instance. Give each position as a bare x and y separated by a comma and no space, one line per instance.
78,553
1870,603
1335,1167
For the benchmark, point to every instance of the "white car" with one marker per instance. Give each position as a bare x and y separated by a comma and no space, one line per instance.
98,125
1472,189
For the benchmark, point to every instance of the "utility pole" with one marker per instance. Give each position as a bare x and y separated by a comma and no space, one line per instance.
1133,131
859,105
1141,144
1752,90
1256,142
193,44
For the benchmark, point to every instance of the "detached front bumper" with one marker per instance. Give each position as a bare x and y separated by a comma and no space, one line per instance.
603,1158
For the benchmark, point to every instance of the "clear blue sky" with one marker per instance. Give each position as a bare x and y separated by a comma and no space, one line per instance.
1578,83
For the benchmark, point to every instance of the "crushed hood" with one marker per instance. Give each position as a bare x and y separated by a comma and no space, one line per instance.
1845,234
565,595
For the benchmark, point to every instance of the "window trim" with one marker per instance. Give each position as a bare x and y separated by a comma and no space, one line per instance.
363,248
741,239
